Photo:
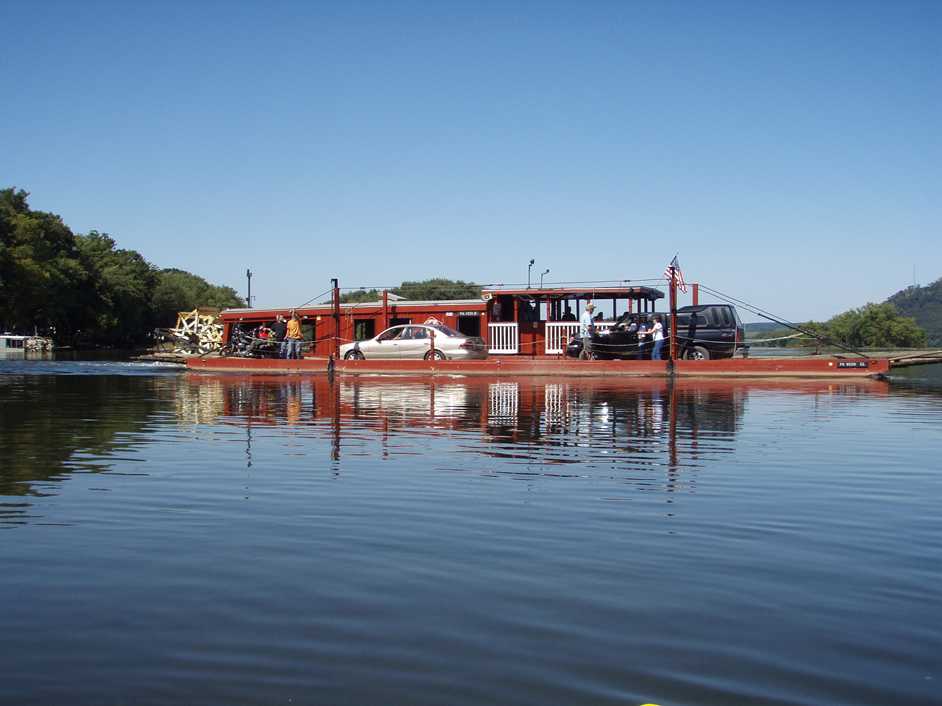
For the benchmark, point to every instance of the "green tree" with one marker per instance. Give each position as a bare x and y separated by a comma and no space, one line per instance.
178,291
361,295
40,268
875,326
438,288
122,295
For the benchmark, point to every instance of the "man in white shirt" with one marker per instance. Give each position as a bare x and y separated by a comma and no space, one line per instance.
586,324
657,333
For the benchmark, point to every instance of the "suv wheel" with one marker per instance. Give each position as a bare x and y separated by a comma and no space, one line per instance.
697,353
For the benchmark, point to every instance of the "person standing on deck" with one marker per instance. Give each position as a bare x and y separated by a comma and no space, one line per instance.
586,330
586,324
293,337
280,330
657,334
643,330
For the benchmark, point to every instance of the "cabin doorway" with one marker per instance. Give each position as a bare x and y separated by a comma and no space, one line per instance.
363,329
470,325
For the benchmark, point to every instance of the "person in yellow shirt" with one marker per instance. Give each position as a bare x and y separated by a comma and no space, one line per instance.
293,337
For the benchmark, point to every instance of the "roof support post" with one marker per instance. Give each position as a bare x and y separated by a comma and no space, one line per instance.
385,309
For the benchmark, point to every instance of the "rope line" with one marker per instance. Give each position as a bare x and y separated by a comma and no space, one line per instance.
781,322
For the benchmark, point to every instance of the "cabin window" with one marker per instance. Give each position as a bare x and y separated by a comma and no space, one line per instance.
14,343
363,329
309,330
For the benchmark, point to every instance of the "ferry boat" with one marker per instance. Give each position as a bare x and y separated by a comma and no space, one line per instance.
526,333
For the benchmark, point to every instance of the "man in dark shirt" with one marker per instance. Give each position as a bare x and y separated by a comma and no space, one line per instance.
280,328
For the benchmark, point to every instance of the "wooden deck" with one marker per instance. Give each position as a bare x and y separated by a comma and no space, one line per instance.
785,367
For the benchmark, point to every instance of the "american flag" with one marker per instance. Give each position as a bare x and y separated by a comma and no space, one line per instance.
675,266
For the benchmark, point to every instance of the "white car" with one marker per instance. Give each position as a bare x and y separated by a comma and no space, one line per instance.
415,341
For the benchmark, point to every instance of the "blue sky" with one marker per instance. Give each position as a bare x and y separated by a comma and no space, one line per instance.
788,151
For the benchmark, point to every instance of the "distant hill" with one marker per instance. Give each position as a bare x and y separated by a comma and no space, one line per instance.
924,304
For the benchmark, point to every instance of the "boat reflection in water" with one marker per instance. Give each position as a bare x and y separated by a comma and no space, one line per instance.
542,424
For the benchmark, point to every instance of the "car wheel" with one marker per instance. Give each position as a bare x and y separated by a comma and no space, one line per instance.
438,355
353,355
697,353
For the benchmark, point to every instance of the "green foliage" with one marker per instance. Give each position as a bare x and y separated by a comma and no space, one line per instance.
123,283
438,288
82,288
178,291
40,269
924,304
870,326
875,326
361,295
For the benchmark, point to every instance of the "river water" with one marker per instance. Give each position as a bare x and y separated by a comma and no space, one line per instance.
174,538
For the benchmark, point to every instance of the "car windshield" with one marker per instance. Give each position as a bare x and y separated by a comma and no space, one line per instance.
441,328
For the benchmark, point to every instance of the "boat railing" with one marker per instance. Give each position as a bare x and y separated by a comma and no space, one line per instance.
558,334
503,338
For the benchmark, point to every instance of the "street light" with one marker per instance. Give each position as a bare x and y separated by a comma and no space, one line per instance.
544,272
248,299
529,267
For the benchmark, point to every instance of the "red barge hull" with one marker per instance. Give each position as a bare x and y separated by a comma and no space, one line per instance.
817,367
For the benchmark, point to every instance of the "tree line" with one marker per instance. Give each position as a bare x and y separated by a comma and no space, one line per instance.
869,326
81,289
435,289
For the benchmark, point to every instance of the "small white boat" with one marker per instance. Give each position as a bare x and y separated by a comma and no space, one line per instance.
12,345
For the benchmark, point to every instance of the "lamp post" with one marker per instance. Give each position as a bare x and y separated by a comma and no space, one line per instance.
544,272
248,299
529,267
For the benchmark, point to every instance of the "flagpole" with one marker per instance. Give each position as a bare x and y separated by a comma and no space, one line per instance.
673,339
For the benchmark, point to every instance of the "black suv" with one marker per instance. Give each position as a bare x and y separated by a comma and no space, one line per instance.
704,332
709,331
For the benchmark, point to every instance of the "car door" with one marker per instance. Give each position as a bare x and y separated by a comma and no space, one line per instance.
385,345
413,343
